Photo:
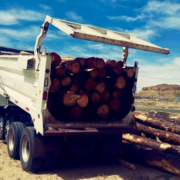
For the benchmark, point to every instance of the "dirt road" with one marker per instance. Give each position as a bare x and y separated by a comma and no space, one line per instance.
11,170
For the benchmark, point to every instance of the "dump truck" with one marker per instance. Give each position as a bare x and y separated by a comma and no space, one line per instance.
31,131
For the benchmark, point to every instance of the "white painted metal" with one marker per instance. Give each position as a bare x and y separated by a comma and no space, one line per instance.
24,85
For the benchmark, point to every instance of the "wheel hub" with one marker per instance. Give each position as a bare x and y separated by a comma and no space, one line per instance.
25,149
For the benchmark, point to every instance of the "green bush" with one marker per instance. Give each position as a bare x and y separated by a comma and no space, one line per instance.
177,93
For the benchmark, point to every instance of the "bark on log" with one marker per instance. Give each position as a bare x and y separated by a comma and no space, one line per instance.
116,94
159,123
90,84
101,73
72,66
100,63
150,143
163,135
66,81
91,62
120,82
95,98
114,105
151,157
56,59
104,96
127,164
60,71
130,72
82,100
103,110
76,112
100,87
69,99
55,85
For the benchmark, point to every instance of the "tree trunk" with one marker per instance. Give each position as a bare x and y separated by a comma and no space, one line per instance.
159,123
103,110
120,82
130,73
150,143
76,112
95,98
66,81
69,99
151,157
100,87
163,135
82,100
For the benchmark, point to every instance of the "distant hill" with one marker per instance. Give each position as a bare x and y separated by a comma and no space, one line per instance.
162,90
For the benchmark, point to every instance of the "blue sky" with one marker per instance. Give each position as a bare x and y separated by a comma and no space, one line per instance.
155,21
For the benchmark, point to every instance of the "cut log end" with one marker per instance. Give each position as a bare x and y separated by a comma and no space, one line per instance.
101,73
100,87
90,84
82,100
66,81
100,63
114,105
116,94
69,99
95,98
120,82
91,62
117,70
103,110
60,71
104,96
130,72
56,59
55,85
94,73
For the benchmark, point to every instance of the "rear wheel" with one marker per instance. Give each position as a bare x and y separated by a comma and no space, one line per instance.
13,139
6,130
27,151
2,127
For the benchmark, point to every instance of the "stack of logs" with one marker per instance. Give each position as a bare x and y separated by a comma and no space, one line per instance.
86,86
157,143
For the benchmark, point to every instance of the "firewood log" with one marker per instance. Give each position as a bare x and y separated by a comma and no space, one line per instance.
82,100
56,59
66,81
100,87
90,84
103,110
72,66
116,94
101,73
167,162
95,98
104,96
163,135
76,112
127,164
60,71
158,123
150,143
120,82
69,99
100,63
55,85
91,62
114,105
130,72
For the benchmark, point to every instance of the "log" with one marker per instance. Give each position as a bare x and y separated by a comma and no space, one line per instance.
104,96
120,82
81,61
95,98
150,143
116,94
100,63
110,63
100,87
158,123
91,62
66,81
114,105
167,162
72,66
101,73
90,84
117,69
56,59
93,73
75,87
120,63
163,135
127,164
49,104
60,71
69,99
103,110
76,112
82,100
130,72
55,85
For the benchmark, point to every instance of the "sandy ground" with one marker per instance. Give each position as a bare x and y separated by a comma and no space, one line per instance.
11,170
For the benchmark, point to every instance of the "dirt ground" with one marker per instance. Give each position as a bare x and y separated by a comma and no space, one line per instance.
11,170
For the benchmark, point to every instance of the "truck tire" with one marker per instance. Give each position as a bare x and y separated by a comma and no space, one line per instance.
6,130
29,162
2,127
13,139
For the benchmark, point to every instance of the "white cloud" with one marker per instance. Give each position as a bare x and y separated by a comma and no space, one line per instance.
45,7
13,16
126,18
74,16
